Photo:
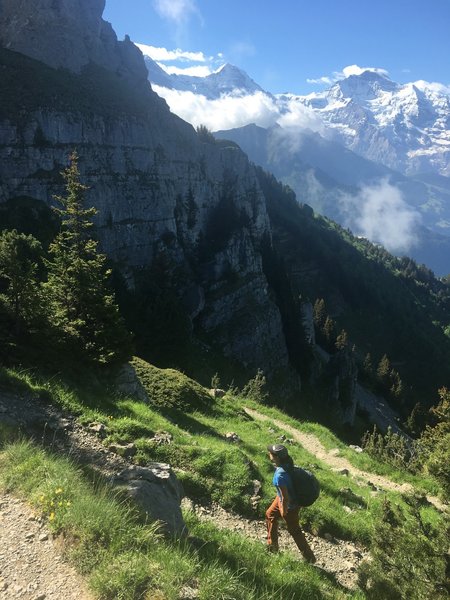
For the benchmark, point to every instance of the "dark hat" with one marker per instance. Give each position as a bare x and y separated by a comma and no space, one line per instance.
278,450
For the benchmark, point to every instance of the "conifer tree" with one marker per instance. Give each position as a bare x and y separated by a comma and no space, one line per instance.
342,340
329,329
20,255
319,312
84,313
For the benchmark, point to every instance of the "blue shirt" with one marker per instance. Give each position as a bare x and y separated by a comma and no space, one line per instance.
281,477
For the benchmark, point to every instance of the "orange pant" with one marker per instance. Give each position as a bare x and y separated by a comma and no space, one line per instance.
273,515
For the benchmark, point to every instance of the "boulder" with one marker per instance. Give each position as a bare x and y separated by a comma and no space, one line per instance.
217,393
157,492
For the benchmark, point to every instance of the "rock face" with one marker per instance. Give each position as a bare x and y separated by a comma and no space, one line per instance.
161,193
343,375
67,33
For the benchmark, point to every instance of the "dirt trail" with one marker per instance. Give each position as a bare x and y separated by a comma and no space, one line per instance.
339,558
31,567
313,445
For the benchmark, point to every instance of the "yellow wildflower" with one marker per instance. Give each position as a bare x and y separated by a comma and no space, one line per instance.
51,516
59,491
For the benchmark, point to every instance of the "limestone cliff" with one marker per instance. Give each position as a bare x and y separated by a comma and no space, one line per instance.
158,188
68,34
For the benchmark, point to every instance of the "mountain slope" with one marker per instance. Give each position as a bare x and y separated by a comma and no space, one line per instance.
348,188
228,79
157,188
210,257
405,127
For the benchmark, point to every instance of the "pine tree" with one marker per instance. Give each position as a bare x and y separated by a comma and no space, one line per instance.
342,340
383,371
84,314
415,423
319,313
20,255
328,329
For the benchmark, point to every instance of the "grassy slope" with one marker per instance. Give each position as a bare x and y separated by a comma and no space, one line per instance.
210,468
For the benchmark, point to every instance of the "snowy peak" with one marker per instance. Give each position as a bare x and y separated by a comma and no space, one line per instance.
366,86
405,127
228,79
231,79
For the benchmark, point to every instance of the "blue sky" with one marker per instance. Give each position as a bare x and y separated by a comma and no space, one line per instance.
283,44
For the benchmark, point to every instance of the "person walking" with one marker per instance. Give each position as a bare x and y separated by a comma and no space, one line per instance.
285,504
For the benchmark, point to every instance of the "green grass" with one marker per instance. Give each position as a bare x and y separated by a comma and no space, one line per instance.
362,461
212,469
123,558
169,388
112,548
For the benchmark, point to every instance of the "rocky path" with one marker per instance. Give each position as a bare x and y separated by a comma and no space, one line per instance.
31,567
337,557
331,457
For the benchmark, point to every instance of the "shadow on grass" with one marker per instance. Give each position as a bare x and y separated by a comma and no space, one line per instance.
189,423
252,567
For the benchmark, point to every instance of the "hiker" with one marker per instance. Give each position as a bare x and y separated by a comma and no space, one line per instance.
285,504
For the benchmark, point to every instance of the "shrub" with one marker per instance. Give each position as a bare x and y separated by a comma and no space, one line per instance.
409,555
254,388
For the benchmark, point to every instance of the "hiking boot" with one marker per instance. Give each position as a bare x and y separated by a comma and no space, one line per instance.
309,557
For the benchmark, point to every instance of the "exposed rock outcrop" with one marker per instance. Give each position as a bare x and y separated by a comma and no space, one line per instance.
159,190
157,492
343,375
154,488
69,34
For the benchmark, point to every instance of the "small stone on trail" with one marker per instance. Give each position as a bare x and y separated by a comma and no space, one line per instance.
356,448
43,537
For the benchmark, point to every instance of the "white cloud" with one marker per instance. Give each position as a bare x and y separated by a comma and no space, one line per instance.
227,112
324,80
194,71
297,116
177,11
356,70
346,72
379,213
162,54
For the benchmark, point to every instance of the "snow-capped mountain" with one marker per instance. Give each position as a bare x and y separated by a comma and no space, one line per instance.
367,150
405,127
228,79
